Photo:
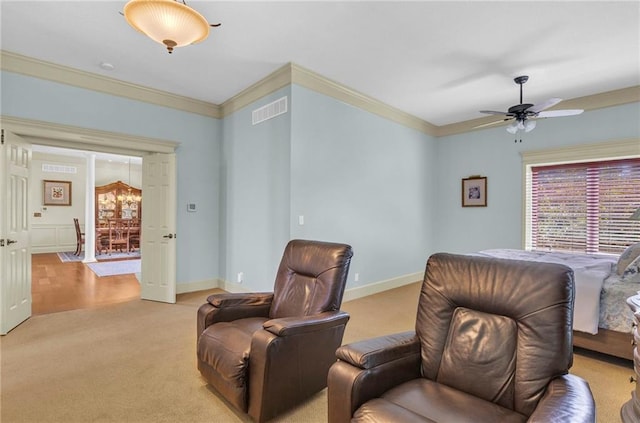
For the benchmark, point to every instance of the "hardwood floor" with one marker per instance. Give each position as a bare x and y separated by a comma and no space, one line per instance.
58,286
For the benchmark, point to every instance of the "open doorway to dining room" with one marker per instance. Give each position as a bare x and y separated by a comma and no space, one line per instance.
60,281
158,244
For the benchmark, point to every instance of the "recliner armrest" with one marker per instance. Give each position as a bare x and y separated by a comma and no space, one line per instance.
240,299
229,307
368,368
376,351
287,326
568,398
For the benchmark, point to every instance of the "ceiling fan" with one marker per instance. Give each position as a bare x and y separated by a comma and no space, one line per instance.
523,115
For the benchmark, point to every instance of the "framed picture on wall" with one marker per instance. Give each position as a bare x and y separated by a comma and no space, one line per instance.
56,193
474,191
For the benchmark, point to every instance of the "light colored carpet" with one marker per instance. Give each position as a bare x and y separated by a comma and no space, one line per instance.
135,362
111,268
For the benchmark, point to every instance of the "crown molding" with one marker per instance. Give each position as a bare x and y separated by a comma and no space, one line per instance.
322,85
271,83
23,65
292,73
286,75
587,103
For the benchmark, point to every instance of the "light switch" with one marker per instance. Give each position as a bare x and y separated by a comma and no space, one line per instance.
300,220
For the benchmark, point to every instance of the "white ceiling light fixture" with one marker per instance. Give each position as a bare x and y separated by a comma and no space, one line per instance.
168,22
524,124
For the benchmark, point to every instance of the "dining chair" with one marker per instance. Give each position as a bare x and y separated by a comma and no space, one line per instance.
79,236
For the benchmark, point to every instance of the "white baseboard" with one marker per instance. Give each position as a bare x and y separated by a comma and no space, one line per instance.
233,287
376,287
182,288
349,294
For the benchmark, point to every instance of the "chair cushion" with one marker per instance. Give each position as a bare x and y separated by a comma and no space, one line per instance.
523,307
485,346
225,347
422,400
310,279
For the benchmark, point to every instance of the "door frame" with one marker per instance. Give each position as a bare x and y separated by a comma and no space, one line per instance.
65,136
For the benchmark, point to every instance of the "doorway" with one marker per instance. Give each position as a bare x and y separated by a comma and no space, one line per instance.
158,231
59,284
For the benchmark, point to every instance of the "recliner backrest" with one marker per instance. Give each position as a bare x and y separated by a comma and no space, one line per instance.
496,329
311,278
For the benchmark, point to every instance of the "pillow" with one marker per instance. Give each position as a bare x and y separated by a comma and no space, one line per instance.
627,257
632,272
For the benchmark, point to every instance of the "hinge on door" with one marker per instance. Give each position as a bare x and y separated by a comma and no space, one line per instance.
2,138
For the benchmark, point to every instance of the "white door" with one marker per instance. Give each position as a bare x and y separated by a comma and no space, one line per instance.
158,228
15,246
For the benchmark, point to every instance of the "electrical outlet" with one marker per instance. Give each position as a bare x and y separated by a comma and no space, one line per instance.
240,277
356,277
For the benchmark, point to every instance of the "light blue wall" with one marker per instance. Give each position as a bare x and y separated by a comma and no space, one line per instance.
391,192
493,153
363,180
198,157
256,178
354,176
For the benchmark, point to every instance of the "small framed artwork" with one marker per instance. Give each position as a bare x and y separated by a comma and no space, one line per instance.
56,193
474,191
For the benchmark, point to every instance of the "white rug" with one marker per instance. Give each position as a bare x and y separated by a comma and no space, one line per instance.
111,268
69,256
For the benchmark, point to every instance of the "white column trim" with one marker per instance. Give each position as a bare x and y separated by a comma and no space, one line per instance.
90,211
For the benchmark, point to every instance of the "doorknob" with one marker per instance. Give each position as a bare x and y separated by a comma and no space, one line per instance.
11,241
168,236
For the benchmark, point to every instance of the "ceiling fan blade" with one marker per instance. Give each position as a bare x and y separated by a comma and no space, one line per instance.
484,125
559,113
544,105
493,112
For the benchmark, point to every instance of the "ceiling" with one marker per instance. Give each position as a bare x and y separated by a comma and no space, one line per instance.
439,61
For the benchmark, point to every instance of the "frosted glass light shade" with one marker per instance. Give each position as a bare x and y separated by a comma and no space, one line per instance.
529,125
512,128
167,22
519,125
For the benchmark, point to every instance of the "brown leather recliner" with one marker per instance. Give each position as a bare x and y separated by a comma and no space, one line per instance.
266,352
493,343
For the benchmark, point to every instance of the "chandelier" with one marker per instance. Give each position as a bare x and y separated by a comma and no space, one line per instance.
129,198
168,22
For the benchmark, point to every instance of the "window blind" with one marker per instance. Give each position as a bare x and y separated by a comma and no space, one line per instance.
584,207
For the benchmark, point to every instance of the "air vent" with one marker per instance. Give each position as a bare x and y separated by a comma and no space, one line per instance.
59,168
269,111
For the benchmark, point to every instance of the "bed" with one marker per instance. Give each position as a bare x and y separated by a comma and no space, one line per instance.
602,319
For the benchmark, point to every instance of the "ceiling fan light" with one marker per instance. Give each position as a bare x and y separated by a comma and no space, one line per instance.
512,128
521,124
529,125
167,22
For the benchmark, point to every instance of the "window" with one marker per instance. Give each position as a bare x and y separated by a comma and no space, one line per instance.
583,207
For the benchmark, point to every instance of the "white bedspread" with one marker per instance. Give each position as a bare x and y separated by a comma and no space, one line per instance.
590,271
